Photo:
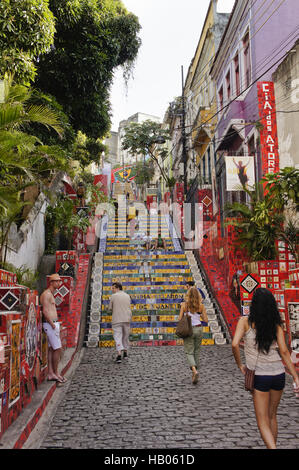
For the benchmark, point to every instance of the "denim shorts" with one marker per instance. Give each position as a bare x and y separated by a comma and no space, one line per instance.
264,383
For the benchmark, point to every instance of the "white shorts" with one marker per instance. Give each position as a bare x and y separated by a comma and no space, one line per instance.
53,335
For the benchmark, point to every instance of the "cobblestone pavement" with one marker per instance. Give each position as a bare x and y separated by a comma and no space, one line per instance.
149,402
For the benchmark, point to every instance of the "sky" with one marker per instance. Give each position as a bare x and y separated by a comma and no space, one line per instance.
170,33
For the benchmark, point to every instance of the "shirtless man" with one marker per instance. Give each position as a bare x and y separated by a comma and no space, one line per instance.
52,328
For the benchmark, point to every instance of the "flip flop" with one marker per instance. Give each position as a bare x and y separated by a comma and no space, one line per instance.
63,380
60,381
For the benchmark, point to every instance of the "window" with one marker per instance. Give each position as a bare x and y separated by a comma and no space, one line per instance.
247,63
228,87
220,97
237,74
251,146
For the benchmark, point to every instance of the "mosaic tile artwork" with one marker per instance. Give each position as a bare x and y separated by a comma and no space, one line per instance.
249,283
205,197
154,279
66,262
21,343
7,278
13,298
9,300
66,269
62,294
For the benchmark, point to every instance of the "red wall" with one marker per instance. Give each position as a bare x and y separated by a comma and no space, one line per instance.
23,355
23,343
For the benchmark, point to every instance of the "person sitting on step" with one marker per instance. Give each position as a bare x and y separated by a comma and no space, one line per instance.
160,242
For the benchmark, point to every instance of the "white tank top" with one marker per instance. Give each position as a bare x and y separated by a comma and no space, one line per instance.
264,364
195,318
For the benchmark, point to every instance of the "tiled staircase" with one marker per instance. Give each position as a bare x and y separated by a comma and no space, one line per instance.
155,281
217,324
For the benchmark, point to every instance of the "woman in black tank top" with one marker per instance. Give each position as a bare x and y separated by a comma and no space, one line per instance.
264,319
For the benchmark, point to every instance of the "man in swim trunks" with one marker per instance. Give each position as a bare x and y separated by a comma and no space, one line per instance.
52,328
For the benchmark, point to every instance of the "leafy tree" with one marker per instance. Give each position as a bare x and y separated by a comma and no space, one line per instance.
283,187
95,196
66,138
23,158
78,146
61,218
26,31
87,150
140,139
144,172
92,38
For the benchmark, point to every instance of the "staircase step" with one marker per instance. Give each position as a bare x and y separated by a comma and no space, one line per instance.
155,280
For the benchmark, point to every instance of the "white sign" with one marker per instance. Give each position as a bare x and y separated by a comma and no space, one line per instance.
239,173
2,356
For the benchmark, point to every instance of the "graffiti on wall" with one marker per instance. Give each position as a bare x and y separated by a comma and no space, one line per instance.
14,389
31,336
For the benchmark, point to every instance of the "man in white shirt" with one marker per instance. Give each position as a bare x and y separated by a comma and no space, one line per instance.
120,304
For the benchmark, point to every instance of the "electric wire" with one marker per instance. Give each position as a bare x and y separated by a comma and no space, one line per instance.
257,68
241,93
258,65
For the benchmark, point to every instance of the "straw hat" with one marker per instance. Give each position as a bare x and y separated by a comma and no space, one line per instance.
54,277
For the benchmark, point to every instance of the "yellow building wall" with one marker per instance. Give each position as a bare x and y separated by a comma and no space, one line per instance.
196,80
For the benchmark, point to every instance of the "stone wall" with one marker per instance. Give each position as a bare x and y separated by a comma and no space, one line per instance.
27,245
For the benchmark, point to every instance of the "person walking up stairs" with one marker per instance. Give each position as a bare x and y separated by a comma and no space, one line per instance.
155,281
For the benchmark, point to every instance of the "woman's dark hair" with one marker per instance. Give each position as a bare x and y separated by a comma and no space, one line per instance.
190,283
265,316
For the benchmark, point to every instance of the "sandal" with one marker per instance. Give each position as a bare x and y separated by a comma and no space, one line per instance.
195,377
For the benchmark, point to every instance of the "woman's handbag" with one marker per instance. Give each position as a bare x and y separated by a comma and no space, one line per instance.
249,377
249,380
184,327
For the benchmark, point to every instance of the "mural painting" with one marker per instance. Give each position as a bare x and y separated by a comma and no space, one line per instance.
14,389
31,336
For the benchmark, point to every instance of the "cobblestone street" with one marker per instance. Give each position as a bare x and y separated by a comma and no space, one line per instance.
149,402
